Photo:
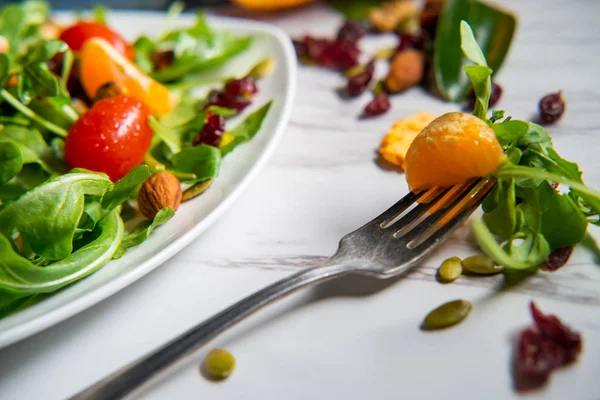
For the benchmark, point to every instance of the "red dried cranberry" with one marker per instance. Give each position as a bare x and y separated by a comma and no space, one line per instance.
379,105
552,328
211,133
494,96
558,258
216,98
545,346
537,356
240,87
554,185
339,54
552,107
411,41
351,30
359,82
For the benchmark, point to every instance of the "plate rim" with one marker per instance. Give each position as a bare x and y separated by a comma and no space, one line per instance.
96,295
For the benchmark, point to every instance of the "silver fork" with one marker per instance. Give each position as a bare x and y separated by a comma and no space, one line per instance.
383,248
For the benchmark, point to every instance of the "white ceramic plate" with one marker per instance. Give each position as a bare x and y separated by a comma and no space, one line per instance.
193,217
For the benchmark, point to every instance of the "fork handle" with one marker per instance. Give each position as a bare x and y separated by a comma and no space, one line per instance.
126,379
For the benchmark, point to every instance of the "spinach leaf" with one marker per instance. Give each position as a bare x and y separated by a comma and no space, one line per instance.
203,161
10,161
124,187
494,30
245,130
500,209
20,277
48,226
142,231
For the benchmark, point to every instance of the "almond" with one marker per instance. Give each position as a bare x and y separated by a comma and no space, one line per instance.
406,70
159,191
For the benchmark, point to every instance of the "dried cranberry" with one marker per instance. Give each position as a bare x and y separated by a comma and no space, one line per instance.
558,258
411,41
545,346
538,356
379,105
240,87
352,30
212,130
359,82
338,54
494,96
552,107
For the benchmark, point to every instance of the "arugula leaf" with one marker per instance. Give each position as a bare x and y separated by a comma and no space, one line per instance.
123,188
203,161
10,161
169,138
144,47
500,209
4,68
19,277
142,231
198,48
246,129
48,226
478,74
493,27
510,131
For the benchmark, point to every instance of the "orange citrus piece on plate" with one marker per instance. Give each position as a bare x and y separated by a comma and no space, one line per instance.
451,150
396,142
270,5
100,63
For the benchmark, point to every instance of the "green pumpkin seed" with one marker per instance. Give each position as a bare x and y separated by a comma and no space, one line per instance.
384,54
353,71
196,190
450,270
379,88
218,364
262,68
481,265
447,314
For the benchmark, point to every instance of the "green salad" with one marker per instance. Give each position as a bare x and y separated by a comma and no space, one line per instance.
90,122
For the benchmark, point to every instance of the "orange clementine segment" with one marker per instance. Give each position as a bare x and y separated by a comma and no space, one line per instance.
100,63
451,150
396,142
270,5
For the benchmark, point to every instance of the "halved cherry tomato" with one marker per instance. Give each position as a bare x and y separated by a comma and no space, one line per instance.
76,35
112,137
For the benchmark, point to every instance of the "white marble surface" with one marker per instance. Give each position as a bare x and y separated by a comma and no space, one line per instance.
355,338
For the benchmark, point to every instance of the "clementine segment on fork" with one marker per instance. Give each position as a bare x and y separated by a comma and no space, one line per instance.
451,150
101,63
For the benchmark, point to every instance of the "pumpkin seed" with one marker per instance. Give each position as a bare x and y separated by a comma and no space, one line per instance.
450,270
385,53
218,364
353,71
196,190
481,265
262,68
447,314
379,88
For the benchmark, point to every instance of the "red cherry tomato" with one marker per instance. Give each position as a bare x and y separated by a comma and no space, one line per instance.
112,137
76,35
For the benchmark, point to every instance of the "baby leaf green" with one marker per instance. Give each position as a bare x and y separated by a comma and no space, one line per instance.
247,128
48,225
142,231
202,161
10,161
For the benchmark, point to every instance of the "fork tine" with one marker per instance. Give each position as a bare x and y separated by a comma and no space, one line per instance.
444,222
424,201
